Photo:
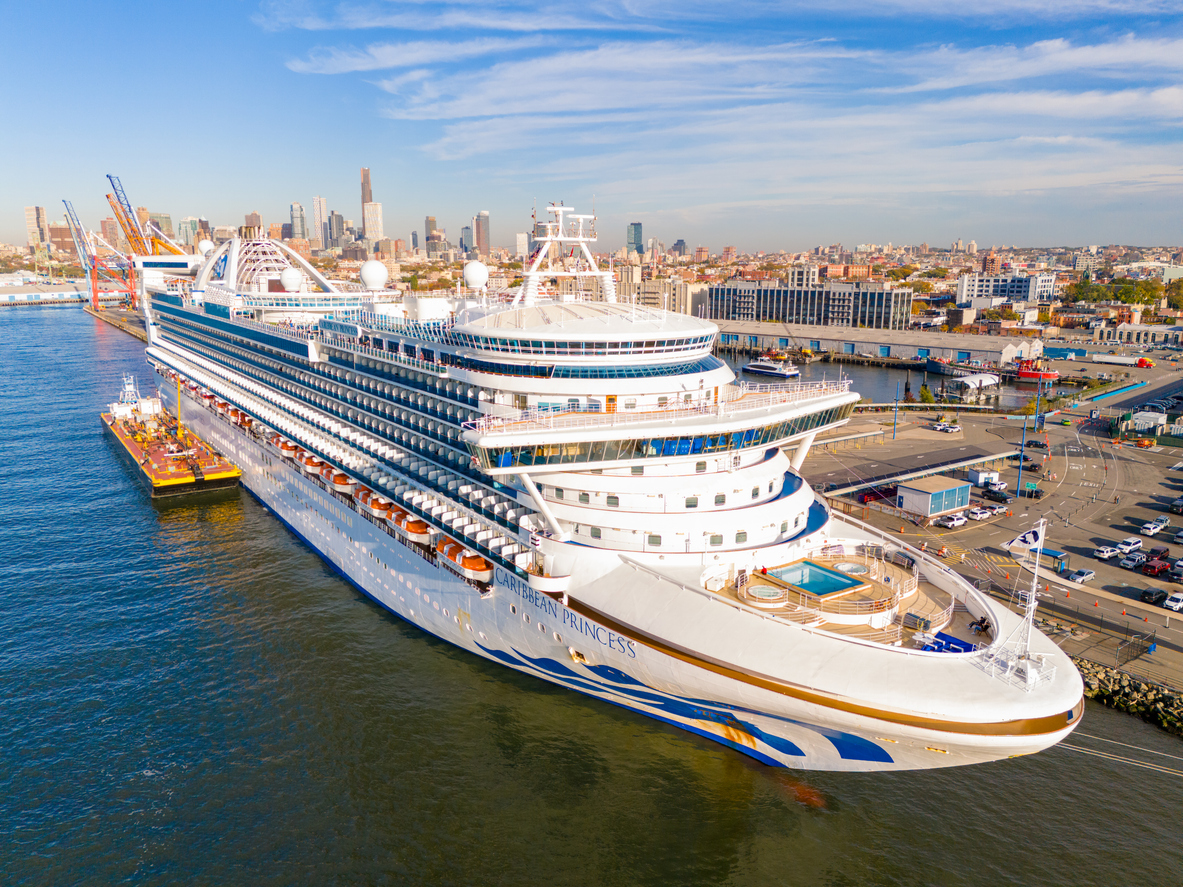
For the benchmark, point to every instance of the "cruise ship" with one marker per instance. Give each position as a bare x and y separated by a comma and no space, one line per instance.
575,487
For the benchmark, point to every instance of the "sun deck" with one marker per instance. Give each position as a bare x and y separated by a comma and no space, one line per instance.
885,602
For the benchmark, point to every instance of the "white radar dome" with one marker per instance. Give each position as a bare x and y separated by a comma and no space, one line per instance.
291,278
476,275
373,275
205,246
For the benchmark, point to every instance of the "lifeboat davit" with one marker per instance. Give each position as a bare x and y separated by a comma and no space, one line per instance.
411,527
338,480
310,464
464,561
375,503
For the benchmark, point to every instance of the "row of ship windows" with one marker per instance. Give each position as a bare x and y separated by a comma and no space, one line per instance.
653,448
714,539
691,501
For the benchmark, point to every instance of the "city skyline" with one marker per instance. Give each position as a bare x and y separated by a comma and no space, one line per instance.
860,122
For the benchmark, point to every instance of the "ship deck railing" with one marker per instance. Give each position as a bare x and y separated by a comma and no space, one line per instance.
740,398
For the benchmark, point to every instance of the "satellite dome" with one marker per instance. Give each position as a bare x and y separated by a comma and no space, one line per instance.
205,246
476,275
291,278
373,275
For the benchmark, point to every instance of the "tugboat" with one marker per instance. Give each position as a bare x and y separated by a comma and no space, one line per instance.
169,459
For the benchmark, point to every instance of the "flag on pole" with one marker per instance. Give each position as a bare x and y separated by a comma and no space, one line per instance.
1030,539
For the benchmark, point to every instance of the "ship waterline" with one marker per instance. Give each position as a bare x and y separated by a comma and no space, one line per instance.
601,527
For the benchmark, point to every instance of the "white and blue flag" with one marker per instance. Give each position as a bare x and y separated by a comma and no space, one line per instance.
1030,539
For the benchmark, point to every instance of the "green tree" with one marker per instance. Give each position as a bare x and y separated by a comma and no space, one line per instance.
926,395
937,273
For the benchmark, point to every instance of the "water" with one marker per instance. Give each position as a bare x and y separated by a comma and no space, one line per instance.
187,695
879,383
814,579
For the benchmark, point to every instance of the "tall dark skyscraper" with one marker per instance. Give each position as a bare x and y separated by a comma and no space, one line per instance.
428,227
367,193
635,242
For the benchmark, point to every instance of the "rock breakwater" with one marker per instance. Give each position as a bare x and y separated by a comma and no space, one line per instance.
1152,703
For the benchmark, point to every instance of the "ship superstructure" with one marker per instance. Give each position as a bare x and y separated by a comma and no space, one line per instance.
579,489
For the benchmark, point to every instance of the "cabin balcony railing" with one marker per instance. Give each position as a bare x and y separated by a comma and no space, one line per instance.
737,399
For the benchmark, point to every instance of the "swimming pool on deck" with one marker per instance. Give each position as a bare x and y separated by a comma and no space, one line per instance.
821,581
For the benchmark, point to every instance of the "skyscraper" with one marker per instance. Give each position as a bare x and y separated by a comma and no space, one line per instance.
367,193
466,239
336,229
109,231
320,222
253,219
414,240
480,231
299,224
428,227
36,225
372,221
635,242
164,221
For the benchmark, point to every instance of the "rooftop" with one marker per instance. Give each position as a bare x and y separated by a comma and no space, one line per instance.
586,320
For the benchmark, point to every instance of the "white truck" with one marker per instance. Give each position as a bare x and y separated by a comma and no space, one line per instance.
1123,360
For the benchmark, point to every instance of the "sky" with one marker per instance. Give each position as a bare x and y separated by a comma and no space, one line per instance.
765,125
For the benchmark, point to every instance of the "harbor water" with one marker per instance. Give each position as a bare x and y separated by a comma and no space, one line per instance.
189,696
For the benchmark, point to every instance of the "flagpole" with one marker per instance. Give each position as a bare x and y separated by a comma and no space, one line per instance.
1032,600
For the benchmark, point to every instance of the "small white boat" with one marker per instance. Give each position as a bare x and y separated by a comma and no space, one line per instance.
766,366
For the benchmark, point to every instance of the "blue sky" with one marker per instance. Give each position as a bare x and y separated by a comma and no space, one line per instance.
766,125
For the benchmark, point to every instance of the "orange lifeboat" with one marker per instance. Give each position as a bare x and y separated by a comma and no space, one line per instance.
287,449
310,464
463,561
374,503
235,413
411,527
338,480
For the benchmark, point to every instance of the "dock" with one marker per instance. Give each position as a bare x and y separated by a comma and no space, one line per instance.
130,322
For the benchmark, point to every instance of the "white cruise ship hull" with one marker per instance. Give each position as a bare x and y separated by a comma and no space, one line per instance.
535,633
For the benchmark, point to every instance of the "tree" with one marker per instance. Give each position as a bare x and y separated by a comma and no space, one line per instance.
902,273
937,272
926,395
1174,291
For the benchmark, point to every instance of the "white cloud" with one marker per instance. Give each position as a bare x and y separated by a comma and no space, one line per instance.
378,56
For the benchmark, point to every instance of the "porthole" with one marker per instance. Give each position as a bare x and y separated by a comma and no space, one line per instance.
541,627
447,614
558,637
482,634
595,532
513,608
755,492
526,616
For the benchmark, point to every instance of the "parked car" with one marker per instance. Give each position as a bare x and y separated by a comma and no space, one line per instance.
982,514
996,485
998,509
1155,568
1154,596
997,496
940,426
1150,529
1128,544
951,521
1105,552
1162,520
951,429
1159,553
1082,576
1037,444
1174,602
1032,494
1177,506
1133,560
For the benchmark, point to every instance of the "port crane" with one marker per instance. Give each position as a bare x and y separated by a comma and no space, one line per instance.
113,268
150,242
